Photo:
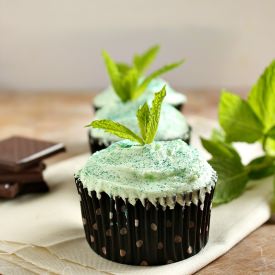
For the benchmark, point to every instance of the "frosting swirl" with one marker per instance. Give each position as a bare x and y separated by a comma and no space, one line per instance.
153,171
108,96
172,124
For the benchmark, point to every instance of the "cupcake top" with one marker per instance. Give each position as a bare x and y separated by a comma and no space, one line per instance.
172,123
157,171
109,97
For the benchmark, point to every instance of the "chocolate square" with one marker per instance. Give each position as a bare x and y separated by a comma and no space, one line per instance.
17,153
10,190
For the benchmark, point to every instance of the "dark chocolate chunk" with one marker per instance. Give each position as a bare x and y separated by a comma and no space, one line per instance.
10,190
33,174
18,153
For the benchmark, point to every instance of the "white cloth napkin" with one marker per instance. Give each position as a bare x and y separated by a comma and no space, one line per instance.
43,234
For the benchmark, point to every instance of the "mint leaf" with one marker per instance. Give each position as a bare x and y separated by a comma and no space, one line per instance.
271,132
220,149
270,147
141,62
218,135
129,82
238,119
262,97
148,120
143,115
123,67
125,78
115,76
116,129
232,174
232,179
153,121
261,167
153,75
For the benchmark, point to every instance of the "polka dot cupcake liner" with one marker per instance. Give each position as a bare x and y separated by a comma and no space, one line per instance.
97,144
144,235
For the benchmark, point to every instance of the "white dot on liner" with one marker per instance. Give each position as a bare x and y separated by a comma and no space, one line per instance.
160,245
136,223
122,252
189,250
168,223
104,250
154,227
92,238
98,211
178,239
7,186
95,227
84,221
139,243
109,232
111,215
206,228
123,231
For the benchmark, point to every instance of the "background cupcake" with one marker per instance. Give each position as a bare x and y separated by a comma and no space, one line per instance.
139,66
172,125
146,202
108,96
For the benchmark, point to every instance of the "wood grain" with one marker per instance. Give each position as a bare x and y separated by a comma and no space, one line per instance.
62,116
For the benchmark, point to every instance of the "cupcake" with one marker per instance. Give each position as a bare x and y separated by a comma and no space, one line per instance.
120,74
109,97
145,202
172,125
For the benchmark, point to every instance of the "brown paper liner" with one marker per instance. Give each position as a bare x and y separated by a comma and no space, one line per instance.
144,235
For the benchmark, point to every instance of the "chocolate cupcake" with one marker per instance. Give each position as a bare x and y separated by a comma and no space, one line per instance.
108,96
173,124
129,81
145,202
146,205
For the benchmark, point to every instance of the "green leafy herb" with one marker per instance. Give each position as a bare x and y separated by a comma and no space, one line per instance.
148,120
117,129
249,121
143,61
126,79
238,119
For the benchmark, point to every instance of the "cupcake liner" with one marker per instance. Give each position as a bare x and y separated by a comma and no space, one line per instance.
96,144
144,234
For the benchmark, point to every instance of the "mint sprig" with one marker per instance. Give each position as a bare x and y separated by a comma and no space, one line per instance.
125,78
148,121
250,121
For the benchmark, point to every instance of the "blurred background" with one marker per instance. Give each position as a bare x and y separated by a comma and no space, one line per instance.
55,45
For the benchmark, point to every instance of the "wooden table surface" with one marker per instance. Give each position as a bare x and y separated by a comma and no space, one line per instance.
61,117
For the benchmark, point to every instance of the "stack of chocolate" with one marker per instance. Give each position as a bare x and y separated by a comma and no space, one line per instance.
21,166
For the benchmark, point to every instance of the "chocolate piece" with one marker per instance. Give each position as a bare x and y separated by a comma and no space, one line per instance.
33,174
10,190
18,153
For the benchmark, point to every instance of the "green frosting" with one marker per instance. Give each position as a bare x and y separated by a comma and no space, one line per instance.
108,96
154,171
172,124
